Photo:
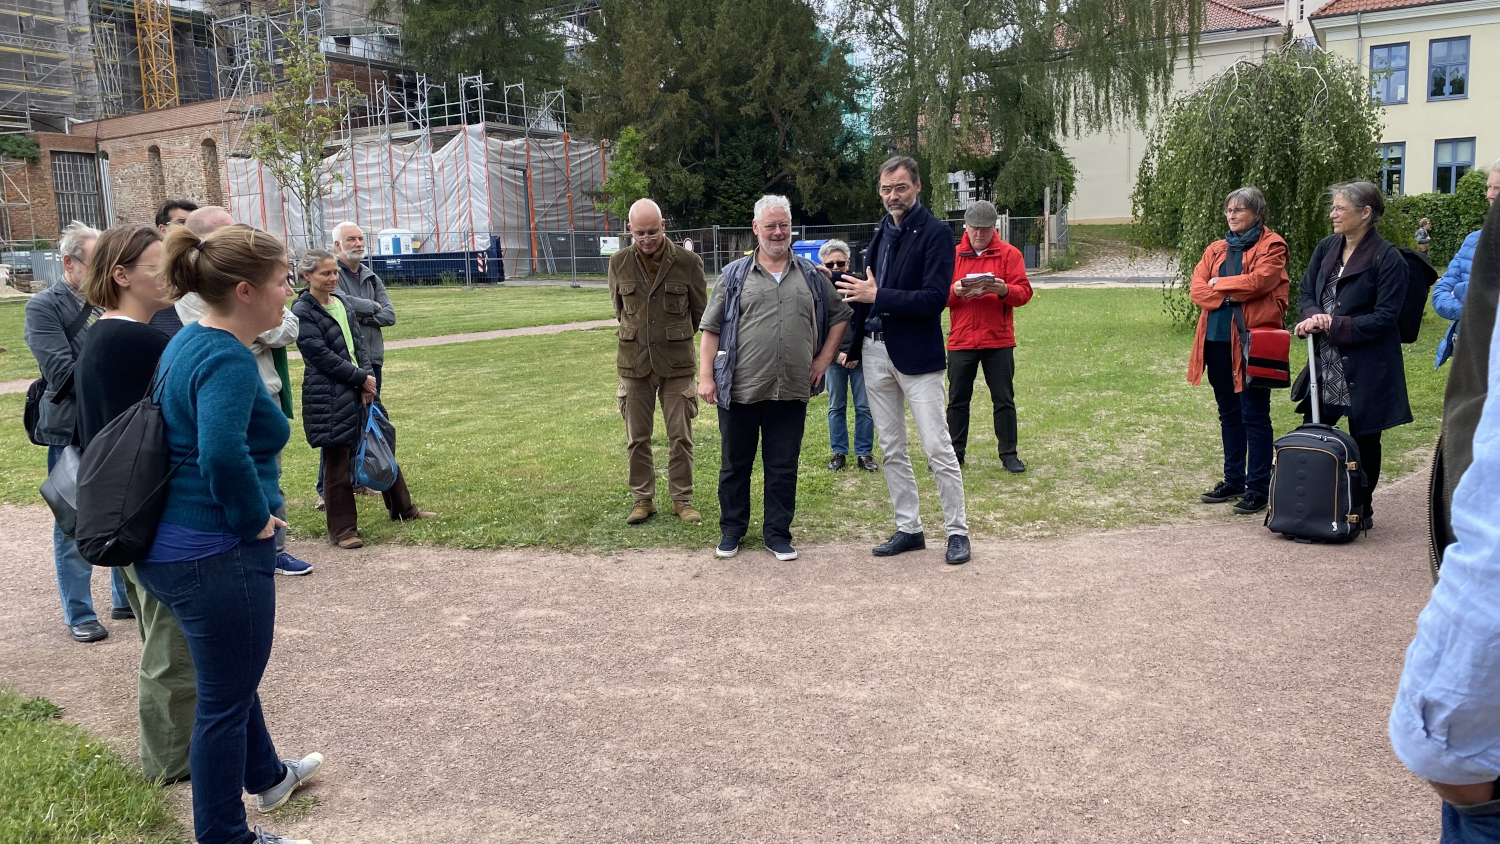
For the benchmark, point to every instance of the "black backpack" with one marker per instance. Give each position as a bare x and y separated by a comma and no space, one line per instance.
1420,276
122,481
31,414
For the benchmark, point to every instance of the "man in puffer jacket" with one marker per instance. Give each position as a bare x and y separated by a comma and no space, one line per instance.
1448,294
989,283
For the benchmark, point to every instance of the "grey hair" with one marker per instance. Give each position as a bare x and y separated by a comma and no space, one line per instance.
769,201
341,226
1250,197
1495,168
74,237
831,247
1362,195
312,258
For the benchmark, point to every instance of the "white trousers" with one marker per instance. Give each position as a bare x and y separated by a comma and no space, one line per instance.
889,392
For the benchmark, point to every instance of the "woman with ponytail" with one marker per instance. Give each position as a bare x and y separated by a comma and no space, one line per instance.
214,560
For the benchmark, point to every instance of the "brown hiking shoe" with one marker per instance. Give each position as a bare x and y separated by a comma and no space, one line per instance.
686,512
640,512
351,543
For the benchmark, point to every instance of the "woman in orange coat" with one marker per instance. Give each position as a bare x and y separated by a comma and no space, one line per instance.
1247,269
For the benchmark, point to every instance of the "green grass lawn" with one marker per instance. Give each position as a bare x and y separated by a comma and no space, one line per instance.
519,441
60,785
420,312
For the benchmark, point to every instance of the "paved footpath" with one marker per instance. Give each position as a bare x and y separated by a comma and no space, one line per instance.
20,386
1207,684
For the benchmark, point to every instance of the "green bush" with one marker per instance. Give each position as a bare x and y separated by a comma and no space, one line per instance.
1453,215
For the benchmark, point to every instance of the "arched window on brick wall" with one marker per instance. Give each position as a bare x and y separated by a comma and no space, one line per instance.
213,181
158,178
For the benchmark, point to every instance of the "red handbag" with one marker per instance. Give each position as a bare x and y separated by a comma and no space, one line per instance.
1267,354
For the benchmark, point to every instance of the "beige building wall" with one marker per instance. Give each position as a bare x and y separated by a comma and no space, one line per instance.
1107,161
1420,123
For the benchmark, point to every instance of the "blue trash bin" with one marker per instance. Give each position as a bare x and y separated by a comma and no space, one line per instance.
808,248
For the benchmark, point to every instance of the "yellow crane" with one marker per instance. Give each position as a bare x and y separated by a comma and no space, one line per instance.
153,31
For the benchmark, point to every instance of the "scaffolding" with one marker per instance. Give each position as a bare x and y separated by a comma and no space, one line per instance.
153,27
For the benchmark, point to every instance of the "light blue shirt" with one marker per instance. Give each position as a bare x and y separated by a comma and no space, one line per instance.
1445,724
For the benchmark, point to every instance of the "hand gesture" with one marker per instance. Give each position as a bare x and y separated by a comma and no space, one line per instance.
856,289
270,529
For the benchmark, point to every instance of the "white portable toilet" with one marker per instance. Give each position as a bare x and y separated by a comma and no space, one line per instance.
394,242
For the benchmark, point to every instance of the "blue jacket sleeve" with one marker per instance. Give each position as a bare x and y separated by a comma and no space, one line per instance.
1445,724
1448,293
225,394
937,275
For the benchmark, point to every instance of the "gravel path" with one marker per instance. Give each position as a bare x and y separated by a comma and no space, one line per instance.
1121,687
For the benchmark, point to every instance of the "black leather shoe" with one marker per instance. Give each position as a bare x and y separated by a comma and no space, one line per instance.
1013,464
89,631
900,543
122,613
958,550
1221,493
837,463
1251,503
867,462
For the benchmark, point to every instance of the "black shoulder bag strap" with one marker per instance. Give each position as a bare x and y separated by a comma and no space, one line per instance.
65,389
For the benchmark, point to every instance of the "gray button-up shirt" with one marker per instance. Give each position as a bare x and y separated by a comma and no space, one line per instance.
778,333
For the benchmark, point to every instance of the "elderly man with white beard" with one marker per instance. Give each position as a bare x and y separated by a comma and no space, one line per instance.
372,305
770,331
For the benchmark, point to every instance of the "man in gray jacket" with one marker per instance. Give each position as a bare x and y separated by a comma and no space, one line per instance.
372,306
56,320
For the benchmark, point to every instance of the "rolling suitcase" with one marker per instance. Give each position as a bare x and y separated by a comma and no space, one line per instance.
1314,470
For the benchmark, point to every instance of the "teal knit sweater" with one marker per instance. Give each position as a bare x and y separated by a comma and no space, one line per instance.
213,398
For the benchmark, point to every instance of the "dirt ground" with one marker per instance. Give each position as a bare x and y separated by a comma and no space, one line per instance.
1190,684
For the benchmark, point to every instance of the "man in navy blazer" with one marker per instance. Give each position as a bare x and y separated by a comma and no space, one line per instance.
898,334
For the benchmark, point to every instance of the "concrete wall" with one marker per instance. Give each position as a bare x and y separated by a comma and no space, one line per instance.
1107,161
1420,123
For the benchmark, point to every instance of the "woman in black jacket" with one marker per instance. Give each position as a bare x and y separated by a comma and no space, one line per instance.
1350,299
337,386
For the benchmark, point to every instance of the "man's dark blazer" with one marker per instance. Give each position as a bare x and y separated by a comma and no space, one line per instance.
911,301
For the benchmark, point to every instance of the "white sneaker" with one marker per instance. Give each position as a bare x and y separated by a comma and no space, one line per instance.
297,774
263,837
783,550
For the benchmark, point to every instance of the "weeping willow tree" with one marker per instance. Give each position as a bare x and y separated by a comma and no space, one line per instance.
955,81
1292,124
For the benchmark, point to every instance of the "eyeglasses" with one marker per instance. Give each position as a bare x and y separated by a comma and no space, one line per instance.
1344,209
836,265
888,190
1238,209
776,227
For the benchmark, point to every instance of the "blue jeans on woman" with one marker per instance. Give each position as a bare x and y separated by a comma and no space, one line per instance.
226,605
75,575
841,382
1244,423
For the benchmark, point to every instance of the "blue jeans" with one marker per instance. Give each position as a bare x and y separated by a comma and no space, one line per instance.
75,574
841,382
1471,824
1244,423
226,605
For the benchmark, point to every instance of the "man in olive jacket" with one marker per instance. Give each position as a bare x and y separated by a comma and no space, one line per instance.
659,294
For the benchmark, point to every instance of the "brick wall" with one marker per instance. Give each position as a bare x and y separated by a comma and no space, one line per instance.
158,155
33,183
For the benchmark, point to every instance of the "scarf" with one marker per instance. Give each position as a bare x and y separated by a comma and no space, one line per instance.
1221,320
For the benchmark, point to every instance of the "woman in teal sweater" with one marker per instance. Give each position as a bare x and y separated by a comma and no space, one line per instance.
214,559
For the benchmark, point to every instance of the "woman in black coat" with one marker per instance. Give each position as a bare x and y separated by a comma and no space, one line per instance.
1350,299
337,386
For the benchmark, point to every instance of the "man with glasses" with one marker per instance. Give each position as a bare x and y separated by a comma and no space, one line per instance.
173,212
989,283
56,321
769,335
659,293
845,377
898,333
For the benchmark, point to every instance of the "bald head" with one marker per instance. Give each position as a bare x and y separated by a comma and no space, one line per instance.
646,226
208,219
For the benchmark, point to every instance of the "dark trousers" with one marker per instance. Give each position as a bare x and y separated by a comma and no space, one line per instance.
1369,456
375,367
776,427
1471,824
226,605
1244,423
338,496
1000,375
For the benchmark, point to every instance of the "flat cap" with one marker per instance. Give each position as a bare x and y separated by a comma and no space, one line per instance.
981,215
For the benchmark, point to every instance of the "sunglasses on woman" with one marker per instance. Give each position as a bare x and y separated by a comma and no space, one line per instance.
836,265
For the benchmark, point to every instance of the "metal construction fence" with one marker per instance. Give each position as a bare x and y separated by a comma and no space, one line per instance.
584,254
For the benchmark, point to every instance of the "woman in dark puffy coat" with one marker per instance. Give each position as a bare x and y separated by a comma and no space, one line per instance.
336,390
1350,300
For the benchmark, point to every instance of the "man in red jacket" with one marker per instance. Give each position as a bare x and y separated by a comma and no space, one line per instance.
989,283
